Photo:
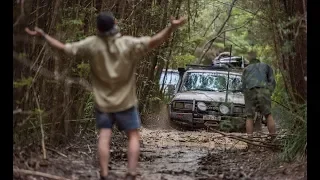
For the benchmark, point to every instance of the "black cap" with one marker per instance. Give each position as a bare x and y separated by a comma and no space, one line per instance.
106,22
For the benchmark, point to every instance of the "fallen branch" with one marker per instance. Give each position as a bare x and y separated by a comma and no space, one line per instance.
36,173
53,150
254,138
123,150
246,140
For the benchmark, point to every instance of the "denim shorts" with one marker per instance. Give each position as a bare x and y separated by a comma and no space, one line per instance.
125,120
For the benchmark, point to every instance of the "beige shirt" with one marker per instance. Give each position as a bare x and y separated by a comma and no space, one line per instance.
113,65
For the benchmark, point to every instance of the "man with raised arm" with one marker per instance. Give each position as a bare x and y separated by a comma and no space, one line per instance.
113,60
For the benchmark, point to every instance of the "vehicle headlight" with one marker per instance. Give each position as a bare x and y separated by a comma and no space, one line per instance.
224,109
201,106
178,105
182,105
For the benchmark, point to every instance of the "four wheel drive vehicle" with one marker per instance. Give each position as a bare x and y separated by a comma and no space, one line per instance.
209,96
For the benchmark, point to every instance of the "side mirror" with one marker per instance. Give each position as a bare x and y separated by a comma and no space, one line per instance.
181,71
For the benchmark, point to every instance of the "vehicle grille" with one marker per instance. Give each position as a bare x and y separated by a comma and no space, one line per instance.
213,109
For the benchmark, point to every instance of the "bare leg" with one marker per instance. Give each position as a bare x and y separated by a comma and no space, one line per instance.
249,126
249,129
271,125
104,150
133,150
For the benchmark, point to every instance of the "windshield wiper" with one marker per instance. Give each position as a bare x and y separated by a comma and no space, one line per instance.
200,89
230,90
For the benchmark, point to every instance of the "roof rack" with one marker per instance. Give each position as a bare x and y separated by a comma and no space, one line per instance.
207,67
234,62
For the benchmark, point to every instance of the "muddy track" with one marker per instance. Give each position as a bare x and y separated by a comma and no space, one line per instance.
166,153
170,154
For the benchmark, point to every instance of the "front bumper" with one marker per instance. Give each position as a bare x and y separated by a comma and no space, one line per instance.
196,120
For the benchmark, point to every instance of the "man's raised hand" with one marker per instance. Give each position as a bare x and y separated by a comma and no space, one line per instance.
37,32
176,23
52,42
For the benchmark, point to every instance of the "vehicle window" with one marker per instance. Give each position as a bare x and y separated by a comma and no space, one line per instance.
207,81
171,78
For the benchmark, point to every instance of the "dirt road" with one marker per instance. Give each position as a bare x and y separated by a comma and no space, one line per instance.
165,154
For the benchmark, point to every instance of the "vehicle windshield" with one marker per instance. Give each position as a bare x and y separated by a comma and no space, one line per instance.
210,81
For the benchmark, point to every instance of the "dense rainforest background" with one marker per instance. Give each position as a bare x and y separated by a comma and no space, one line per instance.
53,104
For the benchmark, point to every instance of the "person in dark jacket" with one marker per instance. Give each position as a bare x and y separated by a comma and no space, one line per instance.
258,84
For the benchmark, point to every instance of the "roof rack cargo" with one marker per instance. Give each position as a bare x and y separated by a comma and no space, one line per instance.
234,62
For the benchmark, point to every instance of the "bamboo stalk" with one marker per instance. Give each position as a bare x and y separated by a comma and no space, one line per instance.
41,127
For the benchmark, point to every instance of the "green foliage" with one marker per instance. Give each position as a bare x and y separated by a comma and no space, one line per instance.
288,48
295,124
22,82
155,99
279,94
72,25
72,22
182,60
256,34
89,106
38,111
82,69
